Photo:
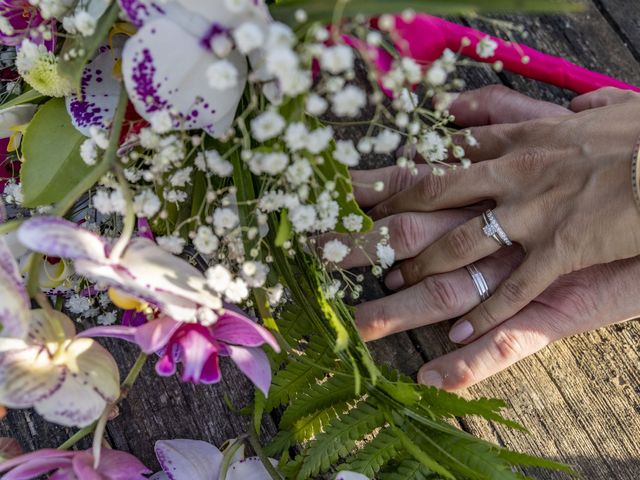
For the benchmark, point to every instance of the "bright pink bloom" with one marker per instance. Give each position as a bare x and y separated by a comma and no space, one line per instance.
24,20
199,347
74,465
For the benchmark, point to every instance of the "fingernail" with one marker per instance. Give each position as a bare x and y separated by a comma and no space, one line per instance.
460,332
430,377
394,280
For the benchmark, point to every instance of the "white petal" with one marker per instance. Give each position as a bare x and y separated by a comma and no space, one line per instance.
57,237
154,82
74,404
99,92
250,469
184,459
27,376
14,303
140,11
15,116
216,11
94,366
42,330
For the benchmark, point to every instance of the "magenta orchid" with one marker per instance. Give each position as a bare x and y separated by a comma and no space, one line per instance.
142,274
183,459
74,465
185,33
18,19
199,347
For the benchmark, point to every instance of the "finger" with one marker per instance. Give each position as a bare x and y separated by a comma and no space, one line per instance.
495,104
433,300
521,336
393,179
459,247
456,188
534,275
601,98
409,234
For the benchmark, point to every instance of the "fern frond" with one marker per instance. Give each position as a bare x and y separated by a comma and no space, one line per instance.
370,459
339,438
409,470
336,390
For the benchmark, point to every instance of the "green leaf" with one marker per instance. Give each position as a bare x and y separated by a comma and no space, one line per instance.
30,96
420,455
374,454
51,149
522,459
73,67
409,469
339,438
342,335
323,11
284,229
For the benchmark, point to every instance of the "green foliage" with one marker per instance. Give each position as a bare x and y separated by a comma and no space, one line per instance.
409,469
376,453
324,11
30,96
73,67
51,149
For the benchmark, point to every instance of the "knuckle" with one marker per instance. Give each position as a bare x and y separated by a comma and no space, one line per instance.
461,375
432,186
400,180
406,232
486,319
508,347
374,320
441,294
497,91
530,161
514,291
459,243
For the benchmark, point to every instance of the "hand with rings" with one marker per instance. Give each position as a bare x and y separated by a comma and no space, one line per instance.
557,255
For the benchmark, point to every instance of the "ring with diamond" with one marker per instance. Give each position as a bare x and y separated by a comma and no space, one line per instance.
493,229
479,281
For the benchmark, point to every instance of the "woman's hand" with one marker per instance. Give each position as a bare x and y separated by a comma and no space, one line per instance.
562,186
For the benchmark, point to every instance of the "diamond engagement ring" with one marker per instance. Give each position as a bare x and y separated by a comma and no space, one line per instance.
493,229
479,281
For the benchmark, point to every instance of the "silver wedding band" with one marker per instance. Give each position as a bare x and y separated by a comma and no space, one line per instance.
493,229
479,281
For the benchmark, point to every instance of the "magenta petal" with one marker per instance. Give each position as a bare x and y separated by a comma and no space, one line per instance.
253,362
237,329
117,465
111,331
36,467
155,334
199,356
45,453
166,366
83,467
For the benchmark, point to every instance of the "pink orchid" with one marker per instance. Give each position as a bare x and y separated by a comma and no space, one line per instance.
74,465
183,459
22,20
199,347
143,271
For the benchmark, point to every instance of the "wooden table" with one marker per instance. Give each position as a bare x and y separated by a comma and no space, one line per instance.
579,398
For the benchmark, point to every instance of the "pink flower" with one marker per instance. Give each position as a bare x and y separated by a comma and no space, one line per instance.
199,347
21,19
74,465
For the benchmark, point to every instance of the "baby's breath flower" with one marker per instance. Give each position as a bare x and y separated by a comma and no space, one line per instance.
225,219
387,141
205,241
315,104
348,102
89,152
267,125
222,75
335,251
303,217
353,222
218,278
486,47
296,136
386,255
146,204
346,153
171,243
248,37
337,59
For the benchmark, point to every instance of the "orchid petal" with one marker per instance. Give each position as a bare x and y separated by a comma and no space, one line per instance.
116,465
110,331
42,329
154,335
72,405
159,476
154,83
57,237
93,365
183,459
199,356
28,376
217,12
83,467
140,11
43,454
15,116
96,102
14,303
253,362
236,329
250,469
36,468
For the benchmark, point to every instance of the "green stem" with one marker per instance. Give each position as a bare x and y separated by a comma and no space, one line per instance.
129,217
9,226
108,160
79,435
33,276
255,444
133,374
229,453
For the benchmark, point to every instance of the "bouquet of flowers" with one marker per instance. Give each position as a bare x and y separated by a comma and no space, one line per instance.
172,179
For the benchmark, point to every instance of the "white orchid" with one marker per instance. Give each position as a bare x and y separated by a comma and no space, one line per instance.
13,120
67,380
179,49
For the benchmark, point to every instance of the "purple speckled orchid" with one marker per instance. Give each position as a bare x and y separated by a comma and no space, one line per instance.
165,63
74,465
199,347
19,20
183,459
68,380
142,274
